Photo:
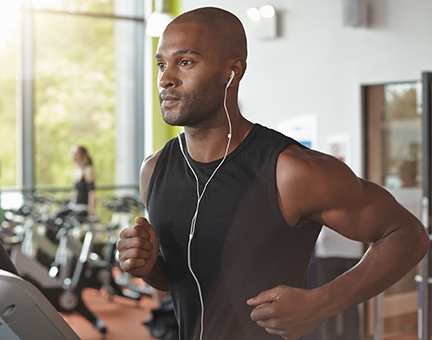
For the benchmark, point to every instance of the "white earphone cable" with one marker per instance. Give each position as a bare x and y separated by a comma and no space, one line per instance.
199,198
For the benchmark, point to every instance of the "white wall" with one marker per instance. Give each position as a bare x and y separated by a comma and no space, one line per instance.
317,66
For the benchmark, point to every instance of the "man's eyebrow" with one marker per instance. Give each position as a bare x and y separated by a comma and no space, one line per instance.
179,52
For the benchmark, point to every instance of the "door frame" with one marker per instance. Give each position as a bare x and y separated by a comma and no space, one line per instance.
425,325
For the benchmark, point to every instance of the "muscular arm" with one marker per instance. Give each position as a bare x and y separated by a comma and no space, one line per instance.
138,245
146,173
399,242
158,278
318,187
359,210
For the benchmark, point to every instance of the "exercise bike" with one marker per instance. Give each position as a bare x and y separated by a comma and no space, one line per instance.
122,208
64,231
100,271
65,291
64,294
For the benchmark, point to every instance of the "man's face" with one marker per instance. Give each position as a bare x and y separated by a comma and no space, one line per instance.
190,82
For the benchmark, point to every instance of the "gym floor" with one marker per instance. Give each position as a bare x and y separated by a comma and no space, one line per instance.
123,317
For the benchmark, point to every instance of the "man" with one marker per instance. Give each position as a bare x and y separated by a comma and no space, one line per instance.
235,208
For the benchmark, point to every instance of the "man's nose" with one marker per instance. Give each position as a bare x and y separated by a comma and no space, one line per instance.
168,78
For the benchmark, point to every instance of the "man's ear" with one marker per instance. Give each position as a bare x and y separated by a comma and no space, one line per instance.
238,65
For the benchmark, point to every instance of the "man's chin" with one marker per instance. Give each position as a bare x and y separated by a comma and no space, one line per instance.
172,121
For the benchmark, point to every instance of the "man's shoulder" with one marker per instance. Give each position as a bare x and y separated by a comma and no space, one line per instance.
296,154
146,172
302,165
149,162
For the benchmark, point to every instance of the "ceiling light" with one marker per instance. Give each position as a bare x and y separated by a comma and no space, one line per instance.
263,21
267,11
253,13
159,19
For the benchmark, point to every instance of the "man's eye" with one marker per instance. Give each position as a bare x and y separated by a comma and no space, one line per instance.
186,62
160,65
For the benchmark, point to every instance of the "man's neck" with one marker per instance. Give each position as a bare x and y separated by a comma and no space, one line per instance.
207,145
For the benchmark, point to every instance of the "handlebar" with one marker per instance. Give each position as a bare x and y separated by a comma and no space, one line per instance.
123,204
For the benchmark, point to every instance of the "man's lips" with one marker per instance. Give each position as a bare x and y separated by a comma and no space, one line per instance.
168,100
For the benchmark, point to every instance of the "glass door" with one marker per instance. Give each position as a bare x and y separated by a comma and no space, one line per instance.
396,152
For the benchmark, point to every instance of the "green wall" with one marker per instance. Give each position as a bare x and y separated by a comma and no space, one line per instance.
162,132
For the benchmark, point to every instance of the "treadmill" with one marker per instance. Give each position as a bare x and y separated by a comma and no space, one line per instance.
25,313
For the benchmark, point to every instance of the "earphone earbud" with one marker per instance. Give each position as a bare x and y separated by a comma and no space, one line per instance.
231,78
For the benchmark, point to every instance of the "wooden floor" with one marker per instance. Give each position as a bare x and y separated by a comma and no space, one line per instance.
409,335
123,317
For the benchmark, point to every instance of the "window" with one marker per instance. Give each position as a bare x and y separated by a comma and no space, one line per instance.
9,22
70,73
74,95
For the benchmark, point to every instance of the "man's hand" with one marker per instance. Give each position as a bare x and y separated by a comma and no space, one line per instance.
287,311
138,248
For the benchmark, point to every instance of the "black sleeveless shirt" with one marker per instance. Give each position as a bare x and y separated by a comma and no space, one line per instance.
83,188
242,244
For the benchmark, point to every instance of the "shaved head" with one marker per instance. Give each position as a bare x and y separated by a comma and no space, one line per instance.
225,30
196,56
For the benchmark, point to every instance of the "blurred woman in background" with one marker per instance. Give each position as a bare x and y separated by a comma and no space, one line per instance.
83,200
83,196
